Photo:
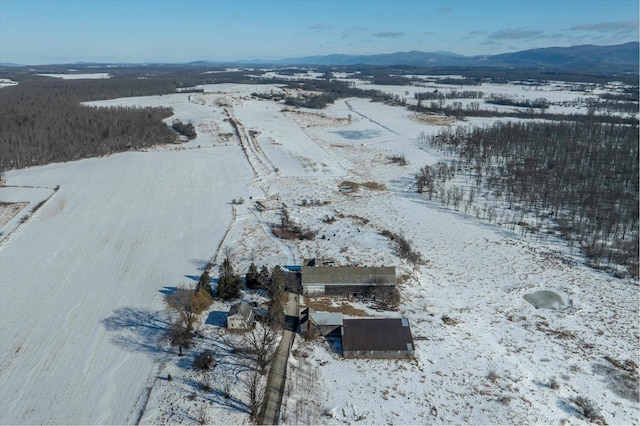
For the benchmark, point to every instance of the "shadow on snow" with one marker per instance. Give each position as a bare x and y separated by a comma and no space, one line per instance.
139,330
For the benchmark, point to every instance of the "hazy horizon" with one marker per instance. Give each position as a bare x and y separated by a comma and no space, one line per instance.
37,32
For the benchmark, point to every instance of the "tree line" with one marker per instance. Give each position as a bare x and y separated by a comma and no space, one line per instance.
581,176
459,111
452,94
540,103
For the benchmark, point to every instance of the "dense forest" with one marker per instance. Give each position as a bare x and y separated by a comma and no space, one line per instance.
42,121
583,177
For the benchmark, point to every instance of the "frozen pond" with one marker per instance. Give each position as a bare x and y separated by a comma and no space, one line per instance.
545,299
359,134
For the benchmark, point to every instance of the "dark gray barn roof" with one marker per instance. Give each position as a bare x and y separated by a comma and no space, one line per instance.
382,334
243,308
348,275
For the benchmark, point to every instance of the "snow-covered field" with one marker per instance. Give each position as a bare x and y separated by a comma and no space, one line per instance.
5,82
83,278
79,76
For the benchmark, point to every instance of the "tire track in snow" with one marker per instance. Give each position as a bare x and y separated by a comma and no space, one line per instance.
371,119
259,161
260,219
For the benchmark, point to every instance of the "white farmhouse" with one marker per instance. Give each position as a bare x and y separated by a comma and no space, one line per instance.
240,317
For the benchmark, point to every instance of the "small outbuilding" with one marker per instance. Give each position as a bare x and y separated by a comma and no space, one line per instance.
240,316
377,338
325,323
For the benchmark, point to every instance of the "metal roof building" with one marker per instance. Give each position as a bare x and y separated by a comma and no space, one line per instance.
377,338
346,279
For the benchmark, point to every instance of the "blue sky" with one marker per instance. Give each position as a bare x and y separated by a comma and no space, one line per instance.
65,31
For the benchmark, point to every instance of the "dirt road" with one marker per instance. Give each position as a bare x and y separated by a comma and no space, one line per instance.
270,411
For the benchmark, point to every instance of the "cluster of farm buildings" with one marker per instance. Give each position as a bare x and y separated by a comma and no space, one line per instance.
359,337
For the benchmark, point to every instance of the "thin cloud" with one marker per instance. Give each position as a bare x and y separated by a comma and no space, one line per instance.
388,34
446,9
514,34
319,27
608,26
353,31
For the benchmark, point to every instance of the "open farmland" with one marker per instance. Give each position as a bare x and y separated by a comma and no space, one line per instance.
83,278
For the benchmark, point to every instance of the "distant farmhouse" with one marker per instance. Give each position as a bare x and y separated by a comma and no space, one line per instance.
347,280
240,316
377,338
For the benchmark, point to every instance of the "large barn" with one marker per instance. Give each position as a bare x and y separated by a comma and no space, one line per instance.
348,280
377,338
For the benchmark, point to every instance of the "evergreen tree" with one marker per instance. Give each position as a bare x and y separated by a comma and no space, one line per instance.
276,314
228,282
264,277
276,291
204,283
203,295
276,284
251,279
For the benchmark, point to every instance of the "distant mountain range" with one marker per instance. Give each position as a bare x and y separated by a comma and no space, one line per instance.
587,59
616,58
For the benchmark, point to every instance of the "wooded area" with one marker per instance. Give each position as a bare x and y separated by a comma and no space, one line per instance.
583,177
42,121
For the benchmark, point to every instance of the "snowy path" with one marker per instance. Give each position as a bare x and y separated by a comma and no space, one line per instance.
258,160
355,111
270,412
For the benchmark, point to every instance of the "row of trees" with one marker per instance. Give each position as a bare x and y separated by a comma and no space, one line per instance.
583,177
275,283
332,90
452,94
459,111
187,304
540,103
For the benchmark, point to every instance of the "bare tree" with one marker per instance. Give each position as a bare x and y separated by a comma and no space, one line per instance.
228,252
261,343
255,388
180,303
203,417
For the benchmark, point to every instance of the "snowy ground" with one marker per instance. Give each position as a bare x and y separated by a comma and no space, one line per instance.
80,76
83,279
5,82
